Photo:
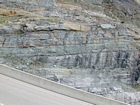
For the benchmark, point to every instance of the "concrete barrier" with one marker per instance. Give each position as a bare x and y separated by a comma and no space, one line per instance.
56,87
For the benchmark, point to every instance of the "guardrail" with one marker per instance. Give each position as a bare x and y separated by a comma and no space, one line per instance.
57,87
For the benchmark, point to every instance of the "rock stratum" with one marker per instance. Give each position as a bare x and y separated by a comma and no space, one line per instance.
88,44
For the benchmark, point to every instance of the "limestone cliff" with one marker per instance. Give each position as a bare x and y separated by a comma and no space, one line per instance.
81,43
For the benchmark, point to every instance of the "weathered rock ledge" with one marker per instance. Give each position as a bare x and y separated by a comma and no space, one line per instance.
71,44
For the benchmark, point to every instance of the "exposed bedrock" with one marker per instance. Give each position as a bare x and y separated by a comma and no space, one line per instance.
67,48
75,43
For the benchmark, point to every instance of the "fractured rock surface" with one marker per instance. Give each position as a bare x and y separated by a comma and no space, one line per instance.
76,44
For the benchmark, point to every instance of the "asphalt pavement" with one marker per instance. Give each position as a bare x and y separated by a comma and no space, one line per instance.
15,92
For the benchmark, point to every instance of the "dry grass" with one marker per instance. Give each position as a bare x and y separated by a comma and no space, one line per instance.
8,19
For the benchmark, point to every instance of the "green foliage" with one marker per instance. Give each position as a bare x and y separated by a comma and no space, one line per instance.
122,21
14,59
70,1
34,63
37,63
52,20
67,0
18,33
136,86
69,67
80,66
6,19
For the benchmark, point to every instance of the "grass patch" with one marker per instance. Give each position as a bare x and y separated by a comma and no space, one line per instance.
136,87
69,67
37,63
52,20
70,1
18,33
15,60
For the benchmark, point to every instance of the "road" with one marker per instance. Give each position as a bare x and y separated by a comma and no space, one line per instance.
15,92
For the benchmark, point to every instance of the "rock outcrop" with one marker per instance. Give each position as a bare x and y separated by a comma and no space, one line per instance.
25,3
128,11
73,43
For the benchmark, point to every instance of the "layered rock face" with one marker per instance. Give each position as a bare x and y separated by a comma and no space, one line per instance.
70,44
59,45
40,3
99,2
128,11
